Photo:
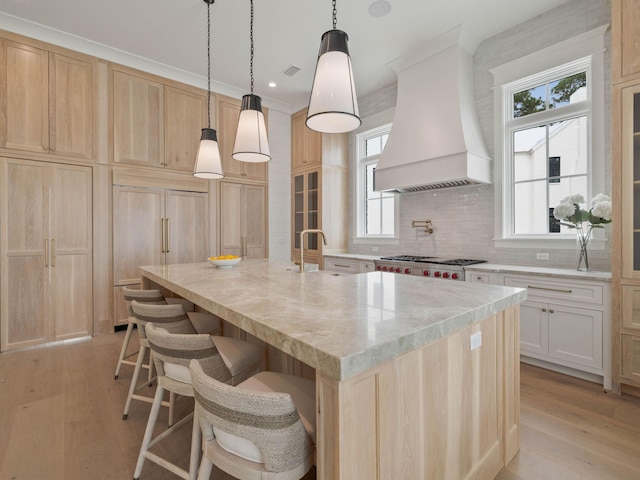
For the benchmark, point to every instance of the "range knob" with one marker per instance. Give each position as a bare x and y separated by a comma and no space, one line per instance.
436,274
378,267
407,271
445,274
385,269
455,276
398,270
426,273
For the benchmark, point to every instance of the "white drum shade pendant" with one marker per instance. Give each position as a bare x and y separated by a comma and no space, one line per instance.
333,106
208,164
251,144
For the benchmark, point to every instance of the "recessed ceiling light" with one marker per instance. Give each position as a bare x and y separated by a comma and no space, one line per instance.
272,84
379,8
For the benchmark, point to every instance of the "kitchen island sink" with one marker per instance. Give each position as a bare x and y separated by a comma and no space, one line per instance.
415,378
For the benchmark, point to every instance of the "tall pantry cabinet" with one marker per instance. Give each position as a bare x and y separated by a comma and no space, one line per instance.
46,252
319,186
242,194
48,99
625,114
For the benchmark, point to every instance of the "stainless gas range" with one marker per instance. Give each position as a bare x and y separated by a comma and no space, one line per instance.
432,267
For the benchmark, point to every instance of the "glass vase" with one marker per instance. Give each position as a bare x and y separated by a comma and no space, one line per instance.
583,238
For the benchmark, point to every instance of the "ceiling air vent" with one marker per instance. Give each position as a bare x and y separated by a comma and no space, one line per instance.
291,70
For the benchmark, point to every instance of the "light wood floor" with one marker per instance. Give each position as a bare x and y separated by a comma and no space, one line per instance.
61,418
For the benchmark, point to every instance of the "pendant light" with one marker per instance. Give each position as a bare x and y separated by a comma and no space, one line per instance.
333,106
208,163
251,143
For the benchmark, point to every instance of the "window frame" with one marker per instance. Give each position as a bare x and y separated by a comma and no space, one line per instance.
583,52
361,163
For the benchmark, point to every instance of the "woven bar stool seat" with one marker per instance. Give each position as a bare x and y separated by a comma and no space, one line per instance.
230,361
262,429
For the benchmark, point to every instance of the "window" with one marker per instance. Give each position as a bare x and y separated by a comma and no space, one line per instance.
549,137
376,214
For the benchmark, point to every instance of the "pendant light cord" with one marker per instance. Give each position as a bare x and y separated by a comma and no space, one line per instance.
251,39
335,15
209,63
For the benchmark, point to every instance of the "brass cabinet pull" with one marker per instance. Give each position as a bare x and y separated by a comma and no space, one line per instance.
551,310
341,265
544,309
550,289
166,232
46,252
162,234
53,252
243,246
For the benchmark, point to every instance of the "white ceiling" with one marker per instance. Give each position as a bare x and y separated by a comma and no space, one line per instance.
286,32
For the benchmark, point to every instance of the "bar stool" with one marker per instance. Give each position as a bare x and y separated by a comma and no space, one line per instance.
226,359
176,320
262,429
154,297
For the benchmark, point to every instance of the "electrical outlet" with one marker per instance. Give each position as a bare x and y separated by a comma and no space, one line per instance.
476,340
542,256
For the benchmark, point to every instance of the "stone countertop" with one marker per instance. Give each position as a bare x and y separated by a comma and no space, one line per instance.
340,325
543,271
354,256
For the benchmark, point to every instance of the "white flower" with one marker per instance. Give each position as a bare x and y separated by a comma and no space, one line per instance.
576,198
564,210
602,209
601,197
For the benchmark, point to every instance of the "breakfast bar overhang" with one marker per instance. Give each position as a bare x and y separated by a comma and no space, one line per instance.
415,378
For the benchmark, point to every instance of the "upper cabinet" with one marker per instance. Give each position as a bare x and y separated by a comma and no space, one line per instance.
227,113
47,100
306,144
154,123
625,56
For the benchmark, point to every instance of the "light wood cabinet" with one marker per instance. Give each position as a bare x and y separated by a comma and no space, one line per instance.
625,155
243,220
155,124
319,194
46,101
625,55
46,252
306,148
155,226
227,113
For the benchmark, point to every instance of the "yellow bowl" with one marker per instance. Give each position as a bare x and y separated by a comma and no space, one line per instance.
225,263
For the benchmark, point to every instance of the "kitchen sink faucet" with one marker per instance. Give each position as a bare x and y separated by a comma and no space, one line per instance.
313,230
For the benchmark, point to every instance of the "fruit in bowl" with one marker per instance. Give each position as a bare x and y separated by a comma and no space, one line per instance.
224,261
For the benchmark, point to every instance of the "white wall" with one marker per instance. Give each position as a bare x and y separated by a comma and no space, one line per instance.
463,217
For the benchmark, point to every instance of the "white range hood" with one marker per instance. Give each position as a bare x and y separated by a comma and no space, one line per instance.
435,141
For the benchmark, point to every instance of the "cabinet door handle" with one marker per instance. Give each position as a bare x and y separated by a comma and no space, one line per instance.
162,233
166,232
243,247
544,309
46,252
551,310
550,289
53,252
341,265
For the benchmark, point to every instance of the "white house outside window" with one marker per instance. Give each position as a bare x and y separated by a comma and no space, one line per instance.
549,138
375,211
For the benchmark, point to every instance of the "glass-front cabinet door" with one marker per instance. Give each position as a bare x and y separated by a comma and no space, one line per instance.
631,182
306,204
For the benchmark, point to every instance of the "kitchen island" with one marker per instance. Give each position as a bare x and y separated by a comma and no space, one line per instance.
415,378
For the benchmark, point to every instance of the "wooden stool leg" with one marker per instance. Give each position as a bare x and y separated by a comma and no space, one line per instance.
123,351
205,469
196,446
148,433
134,381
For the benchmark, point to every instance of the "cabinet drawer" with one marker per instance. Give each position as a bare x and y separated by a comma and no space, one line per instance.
341,265
631,307
475,277
557,290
